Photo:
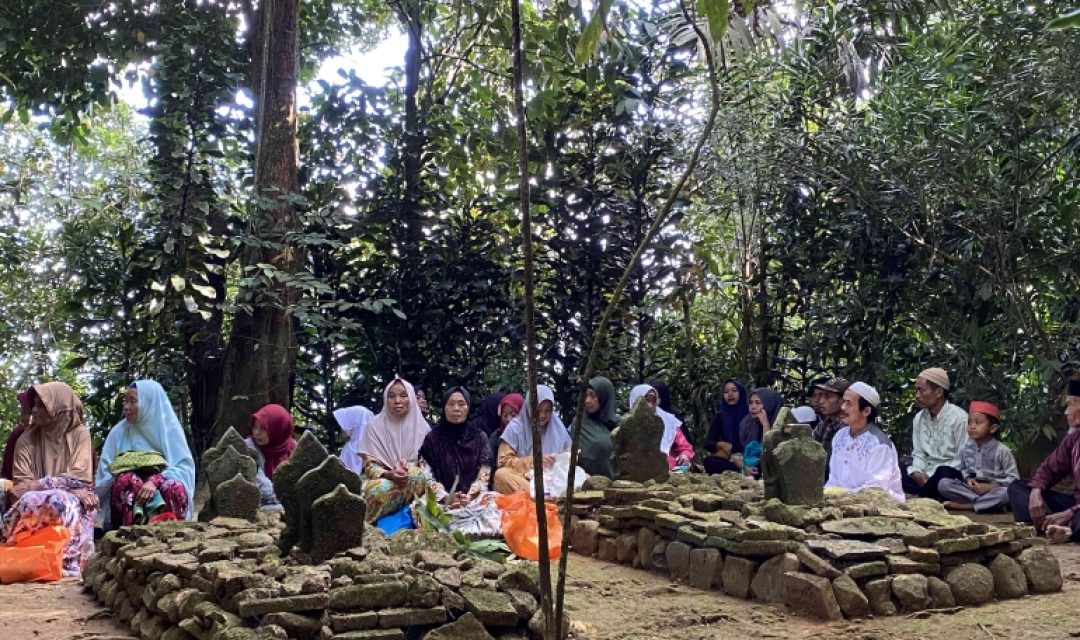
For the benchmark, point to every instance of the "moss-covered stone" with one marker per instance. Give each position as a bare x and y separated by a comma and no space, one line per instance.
308,454
337,523
368,597
636,445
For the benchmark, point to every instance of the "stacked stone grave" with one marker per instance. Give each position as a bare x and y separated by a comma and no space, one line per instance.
230,470
225,580
307,572
848,555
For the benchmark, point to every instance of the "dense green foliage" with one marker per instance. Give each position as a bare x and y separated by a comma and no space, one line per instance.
890,185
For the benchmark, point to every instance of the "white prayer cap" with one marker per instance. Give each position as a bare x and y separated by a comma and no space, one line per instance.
804,414
866,392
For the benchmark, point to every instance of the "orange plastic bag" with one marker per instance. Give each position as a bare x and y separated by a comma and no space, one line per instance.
38,556
520,530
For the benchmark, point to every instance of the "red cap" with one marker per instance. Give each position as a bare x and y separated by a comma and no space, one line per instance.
985,408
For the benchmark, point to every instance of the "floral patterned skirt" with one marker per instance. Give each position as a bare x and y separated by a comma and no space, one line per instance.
49,507
127,485
383,496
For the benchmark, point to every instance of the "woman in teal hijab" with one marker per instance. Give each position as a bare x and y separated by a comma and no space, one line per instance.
596,426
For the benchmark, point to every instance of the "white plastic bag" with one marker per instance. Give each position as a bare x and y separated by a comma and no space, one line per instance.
478,519
555,477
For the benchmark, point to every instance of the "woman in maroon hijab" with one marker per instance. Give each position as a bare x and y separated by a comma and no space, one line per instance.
272,436
9,448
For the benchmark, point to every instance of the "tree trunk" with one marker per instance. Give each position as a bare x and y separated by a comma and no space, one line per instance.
262,345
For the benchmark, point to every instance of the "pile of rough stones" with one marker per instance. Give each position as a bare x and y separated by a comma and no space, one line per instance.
310,571
851,555
225,580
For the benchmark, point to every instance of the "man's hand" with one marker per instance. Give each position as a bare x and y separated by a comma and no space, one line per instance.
1037,508
920,478
1061,518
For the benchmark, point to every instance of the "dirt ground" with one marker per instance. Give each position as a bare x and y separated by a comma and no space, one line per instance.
611,602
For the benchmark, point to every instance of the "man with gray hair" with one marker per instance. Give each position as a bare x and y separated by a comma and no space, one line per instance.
938,433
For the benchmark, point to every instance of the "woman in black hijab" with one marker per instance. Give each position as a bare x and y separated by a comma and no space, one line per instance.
456,461
487,417
455,453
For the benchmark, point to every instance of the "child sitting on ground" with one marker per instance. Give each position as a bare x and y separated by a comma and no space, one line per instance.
987,465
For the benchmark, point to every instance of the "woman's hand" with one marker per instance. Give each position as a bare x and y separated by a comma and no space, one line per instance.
458,500
737,460
763,418
682,460
87,498
549,461
25,486
146,493
399,475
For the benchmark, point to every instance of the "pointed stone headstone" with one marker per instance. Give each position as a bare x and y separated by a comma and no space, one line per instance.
337,523
792,467
237,498
637,446
316,483
309,453
231,438
227,465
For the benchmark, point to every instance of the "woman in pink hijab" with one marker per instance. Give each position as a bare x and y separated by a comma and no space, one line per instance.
390,448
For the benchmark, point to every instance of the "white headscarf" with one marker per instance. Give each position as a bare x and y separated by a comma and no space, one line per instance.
518,434
671,423
353,421
387,439
156,429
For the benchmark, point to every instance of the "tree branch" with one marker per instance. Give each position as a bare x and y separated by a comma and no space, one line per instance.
605,321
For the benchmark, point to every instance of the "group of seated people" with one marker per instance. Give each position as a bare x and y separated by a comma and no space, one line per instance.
146,472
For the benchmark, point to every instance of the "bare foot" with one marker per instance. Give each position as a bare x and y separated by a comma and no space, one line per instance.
1058,534
958,506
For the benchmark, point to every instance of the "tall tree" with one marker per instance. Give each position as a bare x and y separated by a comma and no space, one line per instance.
262,343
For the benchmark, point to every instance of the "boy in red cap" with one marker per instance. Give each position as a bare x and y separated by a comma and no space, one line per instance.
987,465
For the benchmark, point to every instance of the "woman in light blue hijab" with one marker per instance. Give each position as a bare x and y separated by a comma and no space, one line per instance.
146,468
516,446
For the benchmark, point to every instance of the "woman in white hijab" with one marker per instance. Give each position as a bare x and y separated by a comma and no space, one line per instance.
156,472
353,421
516,447
673,443
390,446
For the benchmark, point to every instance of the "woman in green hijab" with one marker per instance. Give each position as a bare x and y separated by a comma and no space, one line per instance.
595,455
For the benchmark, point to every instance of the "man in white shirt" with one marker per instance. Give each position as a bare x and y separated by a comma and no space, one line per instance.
938,433
862,454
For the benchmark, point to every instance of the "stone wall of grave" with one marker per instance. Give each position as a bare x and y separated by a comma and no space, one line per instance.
850,556
225,580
